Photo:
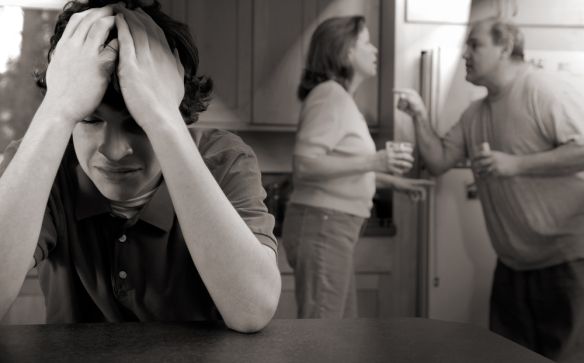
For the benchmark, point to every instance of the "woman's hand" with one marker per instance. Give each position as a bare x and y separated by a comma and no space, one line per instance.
414,188
81,65
389,161
151,76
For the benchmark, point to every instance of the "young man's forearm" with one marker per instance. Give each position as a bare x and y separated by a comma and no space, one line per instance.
240,273
24,191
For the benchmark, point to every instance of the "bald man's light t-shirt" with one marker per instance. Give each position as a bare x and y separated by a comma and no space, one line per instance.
533,221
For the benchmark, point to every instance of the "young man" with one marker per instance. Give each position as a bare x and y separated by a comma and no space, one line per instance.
530,186
128,213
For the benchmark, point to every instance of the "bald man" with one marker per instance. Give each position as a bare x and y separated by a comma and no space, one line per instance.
525,140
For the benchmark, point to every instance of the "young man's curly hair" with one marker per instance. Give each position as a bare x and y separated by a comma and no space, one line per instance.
198,89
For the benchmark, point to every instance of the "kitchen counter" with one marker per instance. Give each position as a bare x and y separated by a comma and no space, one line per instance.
306,341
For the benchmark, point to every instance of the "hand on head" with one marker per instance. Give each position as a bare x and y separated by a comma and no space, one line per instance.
81,65
151,76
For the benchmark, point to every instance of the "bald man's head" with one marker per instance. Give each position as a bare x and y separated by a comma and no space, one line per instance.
505,34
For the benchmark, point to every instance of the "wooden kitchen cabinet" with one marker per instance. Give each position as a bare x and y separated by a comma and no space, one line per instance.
281,37
255,51
222,31
278,58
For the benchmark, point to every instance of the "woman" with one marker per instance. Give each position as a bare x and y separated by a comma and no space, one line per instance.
336,170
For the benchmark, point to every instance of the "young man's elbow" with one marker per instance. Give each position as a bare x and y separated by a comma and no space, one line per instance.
251,323
258,317
248,326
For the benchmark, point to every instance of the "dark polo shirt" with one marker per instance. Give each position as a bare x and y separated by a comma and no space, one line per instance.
95,267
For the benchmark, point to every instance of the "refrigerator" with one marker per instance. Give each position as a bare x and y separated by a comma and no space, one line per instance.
456,257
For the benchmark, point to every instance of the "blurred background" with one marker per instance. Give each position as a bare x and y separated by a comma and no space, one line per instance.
430,259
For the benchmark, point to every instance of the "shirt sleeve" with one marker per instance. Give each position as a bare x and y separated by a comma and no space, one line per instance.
48,234
240,180
320,128
559,109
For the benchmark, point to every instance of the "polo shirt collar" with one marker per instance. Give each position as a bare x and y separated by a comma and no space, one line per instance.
158,212
90,202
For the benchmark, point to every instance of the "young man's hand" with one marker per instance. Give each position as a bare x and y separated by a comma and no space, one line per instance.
81,65
151,76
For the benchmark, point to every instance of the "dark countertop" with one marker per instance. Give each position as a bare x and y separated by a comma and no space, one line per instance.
361,340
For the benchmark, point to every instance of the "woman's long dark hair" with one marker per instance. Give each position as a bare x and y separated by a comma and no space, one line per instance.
328,54
198,89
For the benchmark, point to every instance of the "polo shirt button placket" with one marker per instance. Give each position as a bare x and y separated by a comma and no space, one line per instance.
123,274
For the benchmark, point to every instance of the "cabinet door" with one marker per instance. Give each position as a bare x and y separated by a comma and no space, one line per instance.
222,32
278,52
281,36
